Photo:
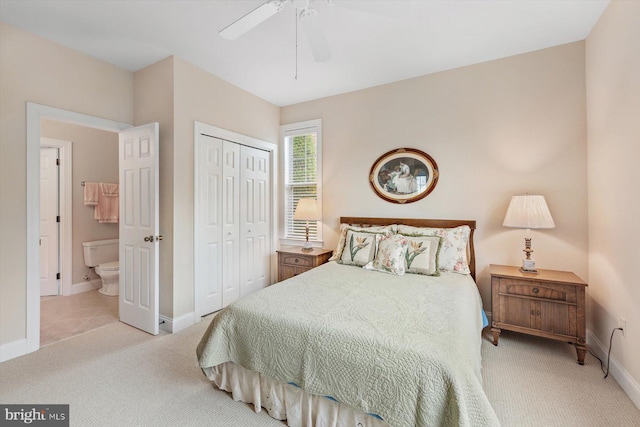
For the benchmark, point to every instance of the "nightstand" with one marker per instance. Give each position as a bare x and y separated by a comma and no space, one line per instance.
292,260
549,304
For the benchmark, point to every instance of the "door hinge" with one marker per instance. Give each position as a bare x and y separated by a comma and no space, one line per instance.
57,276
57,162
58,218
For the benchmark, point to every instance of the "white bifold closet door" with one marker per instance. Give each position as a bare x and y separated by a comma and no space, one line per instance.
233,224
255,208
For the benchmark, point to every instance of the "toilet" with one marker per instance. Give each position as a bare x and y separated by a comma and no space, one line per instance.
102,255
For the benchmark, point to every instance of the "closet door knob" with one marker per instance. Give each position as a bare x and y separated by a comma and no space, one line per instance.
148,238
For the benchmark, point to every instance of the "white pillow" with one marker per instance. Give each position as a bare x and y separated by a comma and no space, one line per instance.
423,255
453,252
360,248
390,257
337,254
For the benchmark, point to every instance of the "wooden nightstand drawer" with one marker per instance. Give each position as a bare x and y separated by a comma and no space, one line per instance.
537,290
297,261
288,271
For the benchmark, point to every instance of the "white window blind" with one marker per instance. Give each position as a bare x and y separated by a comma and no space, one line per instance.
302,176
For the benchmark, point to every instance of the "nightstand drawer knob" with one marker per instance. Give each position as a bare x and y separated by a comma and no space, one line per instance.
296,260
536,290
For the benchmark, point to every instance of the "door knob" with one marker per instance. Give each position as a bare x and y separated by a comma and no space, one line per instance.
148,238
152,238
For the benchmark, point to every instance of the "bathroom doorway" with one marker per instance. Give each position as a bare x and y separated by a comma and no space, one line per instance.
35,114
70,155
139,303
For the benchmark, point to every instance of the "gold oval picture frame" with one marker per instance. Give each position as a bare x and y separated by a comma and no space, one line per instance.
404,175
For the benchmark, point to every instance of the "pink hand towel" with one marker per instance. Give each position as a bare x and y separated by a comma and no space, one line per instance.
91,193
108,209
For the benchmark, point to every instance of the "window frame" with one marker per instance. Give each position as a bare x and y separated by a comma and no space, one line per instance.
291,130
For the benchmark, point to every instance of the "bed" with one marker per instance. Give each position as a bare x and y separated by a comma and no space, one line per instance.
343,345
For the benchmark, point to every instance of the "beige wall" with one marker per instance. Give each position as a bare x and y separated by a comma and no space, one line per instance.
613,107
176,94
495,129
95,159
37,70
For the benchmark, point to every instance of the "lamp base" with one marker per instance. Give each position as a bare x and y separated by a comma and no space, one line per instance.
528,266
307,247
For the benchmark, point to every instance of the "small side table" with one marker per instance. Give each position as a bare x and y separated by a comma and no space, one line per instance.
549,304
292,260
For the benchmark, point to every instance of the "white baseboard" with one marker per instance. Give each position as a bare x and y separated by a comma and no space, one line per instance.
13,349
89,285
176,325
622,376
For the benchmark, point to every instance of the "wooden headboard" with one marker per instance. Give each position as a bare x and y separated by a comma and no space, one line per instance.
419,222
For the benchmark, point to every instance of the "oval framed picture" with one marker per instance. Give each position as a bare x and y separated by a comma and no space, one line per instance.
404,175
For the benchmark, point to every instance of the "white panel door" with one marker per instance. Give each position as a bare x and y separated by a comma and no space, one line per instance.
230,223
209,226
139,223
49,226
255,220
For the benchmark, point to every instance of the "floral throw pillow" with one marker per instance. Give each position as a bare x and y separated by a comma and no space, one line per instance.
337,254
391,255
359,248
453,253
422,255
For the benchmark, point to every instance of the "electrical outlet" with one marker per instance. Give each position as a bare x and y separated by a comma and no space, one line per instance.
622,323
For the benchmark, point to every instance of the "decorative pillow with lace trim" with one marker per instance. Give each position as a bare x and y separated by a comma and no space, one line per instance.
422,255
337,254
360,248
391,255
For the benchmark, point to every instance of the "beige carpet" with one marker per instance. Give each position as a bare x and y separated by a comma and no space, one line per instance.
119,376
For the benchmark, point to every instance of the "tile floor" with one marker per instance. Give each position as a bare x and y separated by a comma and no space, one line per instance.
63,317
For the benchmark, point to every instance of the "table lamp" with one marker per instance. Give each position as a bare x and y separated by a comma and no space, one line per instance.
307,210
528,211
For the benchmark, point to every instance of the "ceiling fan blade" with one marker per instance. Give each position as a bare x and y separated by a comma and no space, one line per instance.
315,36
252,19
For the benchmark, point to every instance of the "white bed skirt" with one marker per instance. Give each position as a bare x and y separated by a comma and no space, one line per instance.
285,401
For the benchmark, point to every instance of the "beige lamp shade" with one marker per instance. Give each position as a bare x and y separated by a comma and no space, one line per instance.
528,211
307,210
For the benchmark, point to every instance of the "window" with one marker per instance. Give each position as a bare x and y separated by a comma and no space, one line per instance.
302,176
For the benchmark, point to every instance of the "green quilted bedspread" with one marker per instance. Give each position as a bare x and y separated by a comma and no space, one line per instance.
406,348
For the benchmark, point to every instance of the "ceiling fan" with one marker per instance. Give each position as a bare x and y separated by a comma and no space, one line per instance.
308,21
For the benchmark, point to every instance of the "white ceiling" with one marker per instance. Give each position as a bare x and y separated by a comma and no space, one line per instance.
372,42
